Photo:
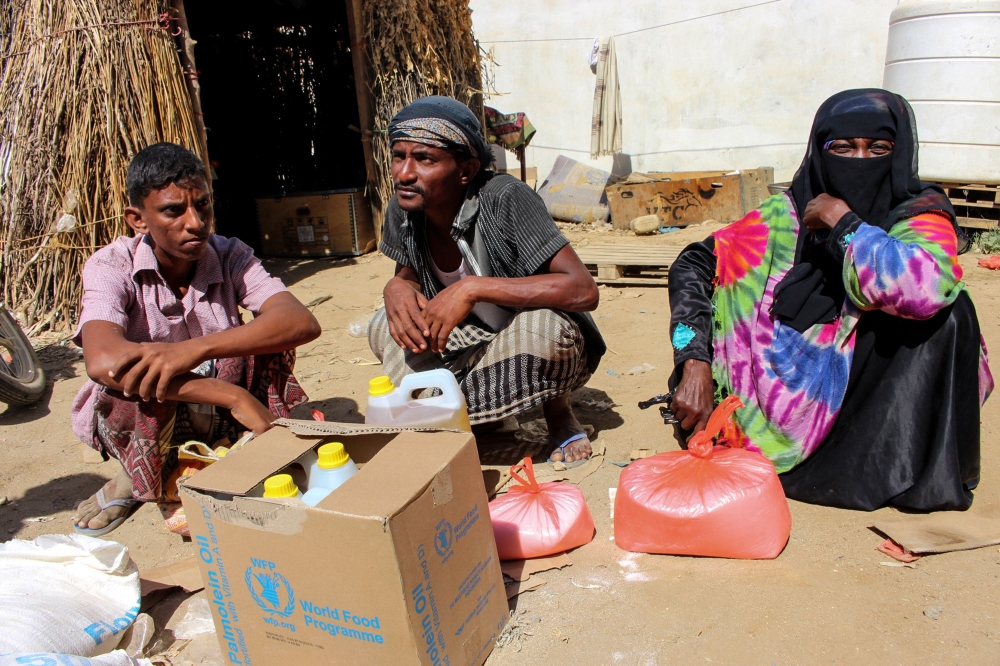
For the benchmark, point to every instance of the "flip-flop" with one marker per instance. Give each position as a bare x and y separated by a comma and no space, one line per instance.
562,447
105,503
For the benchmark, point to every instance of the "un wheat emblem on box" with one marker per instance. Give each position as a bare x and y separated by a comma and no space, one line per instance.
267,588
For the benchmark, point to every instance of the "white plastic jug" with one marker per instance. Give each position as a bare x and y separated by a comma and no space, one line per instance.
391,406
332,467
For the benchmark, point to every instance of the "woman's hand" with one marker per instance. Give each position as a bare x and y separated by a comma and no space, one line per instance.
824,212
694,398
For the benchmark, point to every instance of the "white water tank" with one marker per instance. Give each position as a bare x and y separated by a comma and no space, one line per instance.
943,56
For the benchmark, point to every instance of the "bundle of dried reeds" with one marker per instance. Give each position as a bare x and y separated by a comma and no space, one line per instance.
417,48
84,85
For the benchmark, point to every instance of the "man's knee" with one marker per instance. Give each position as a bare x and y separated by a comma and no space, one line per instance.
378,333
549,334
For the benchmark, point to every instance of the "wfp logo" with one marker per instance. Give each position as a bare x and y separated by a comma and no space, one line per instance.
272,591
443,538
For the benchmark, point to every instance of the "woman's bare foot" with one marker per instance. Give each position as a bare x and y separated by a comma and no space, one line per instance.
89,514
562,423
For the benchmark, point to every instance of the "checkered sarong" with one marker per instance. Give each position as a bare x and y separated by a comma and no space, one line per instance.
143,436
538,356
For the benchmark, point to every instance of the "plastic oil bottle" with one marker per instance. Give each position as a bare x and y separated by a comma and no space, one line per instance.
397,406
333,466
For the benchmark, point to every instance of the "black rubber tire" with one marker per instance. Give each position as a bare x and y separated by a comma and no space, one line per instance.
25,382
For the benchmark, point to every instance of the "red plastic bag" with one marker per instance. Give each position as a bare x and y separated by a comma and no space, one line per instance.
710,500
535,520
991,262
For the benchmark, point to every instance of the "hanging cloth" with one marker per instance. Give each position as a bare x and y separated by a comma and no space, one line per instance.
606,121
510,130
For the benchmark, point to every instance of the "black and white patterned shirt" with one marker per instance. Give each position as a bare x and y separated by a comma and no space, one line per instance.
517,230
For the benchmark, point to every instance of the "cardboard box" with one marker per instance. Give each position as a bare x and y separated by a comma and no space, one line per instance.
337,223
397,566
691,197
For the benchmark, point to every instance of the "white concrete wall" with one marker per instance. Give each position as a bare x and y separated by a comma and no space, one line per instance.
737,90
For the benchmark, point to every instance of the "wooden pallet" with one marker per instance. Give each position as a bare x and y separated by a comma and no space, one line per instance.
630,265
976,206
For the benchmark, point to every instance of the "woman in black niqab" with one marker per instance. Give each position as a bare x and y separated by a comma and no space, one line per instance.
907,433
881,191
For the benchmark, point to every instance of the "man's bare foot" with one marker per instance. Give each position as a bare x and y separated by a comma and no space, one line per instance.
89,514
562,423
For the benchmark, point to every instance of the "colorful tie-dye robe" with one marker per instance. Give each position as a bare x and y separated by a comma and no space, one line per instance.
792,383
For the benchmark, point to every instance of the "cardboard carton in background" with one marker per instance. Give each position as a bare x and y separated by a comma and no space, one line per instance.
397,566
337,223
684,198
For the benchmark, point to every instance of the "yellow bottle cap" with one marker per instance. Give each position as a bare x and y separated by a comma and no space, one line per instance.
332,456
381,385
221,451
280,485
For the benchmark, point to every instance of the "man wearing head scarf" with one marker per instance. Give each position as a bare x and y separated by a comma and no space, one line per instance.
485,283
837,314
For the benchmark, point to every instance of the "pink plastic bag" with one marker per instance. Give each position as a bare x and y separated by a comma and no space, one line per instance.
709,500
535,520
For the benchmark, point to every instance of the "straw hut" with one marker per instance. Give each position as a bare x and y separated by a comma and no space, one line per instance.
285,96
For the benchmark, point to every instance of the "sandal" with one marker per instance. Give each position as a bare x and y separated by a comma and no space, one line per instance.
104,503
562,447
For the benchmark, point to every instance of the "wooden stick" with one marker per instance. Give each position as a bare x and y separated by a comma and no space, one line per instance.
186,52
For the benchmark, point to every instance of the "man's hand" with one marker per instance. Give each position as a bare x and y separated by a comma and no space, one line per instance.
404,304
447,310
147,368
824,212
253,415
694,398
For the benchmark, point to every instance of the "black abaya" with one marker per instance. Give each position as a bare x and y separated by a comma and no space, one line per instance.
908,431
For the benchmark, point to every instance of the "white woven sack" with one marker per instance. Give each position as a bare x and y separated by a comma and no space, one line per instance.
116,658
68,594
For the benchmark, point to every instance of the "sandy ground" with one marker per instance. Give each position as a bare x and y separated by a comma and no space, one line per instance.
826,599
